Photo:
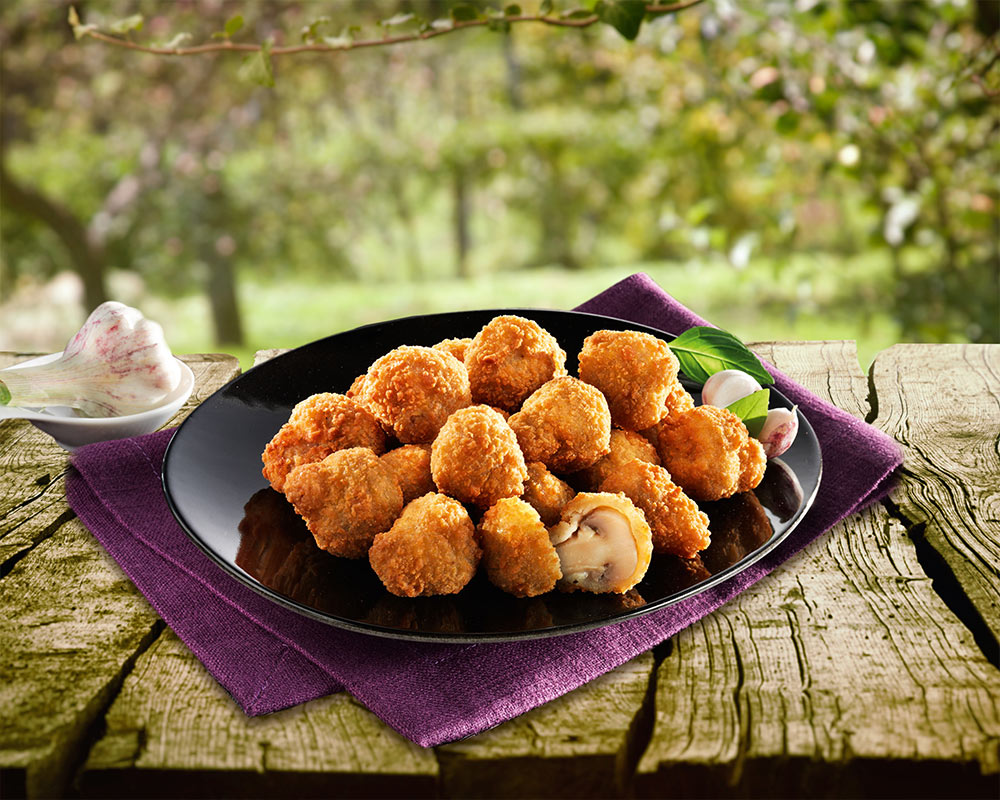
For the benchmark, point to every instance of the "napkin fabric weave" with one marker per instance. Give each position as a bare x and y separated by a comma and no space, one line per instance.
270,658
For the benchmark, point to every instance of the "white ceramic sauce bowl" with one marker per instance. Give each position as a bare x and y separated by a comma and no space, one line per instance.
72,431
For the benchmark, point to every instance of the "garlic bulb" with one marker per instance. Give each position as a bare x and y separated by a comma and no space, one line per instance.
779,431
726,387
118,363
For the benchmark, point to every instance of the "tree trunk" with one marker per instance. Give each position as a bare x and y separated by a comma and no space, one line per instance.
86,256
461,221
227,321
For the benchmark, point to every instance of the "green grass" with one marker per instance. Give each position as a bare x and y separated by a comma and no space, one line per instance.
805,298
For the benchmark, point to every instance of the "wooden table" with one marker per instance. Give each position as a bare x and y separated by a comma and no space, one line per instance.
865,666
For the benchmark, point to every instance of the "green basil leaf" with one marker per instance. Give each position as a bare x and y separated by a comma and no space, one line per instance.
752,409
703,351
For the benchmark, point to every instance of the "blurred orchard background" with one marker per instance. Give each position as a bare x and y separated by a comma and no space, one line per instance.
787,168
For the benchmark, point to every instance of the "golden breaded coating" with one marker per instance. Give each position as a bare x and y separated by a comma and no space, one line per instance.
413,390
456,347
318,426
546,493
677,524
565,424
475,458
678,401
517,553
431,549
705,451
753,462
625,446
635,372
509,359
603,543
411,464
357,386
345,499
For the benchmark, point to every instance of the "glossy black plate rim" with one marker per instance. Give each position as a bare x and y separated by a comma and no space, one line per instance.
360,626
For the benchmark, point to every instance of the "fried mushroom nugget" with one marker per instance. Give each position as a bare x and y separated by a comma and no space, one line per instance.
517,553
475,458
413,390
678,401
345,499
456,347
635,371
565,424
318,426
546,493
509,359
411,464
603,543
625,446
707,450
431,549
677,525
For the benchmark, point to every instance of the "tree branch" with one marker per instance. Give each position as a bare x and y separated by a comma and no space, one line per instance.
234,47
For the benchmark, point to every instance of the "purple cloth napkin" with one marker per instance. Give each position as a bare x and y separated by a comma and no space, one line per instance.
270,658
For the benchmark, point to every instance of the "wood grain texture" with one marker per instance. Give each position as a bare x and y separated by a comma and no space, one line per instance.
578,745
174,731
72,623
942,404
841,673
32,488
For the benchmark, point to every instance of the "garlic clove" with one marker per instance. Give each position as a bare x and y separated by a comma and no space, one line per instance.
724,388
779,431
117,364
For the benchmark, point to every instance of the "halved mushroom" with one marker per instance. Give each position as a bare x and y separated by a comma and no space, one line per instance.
603,543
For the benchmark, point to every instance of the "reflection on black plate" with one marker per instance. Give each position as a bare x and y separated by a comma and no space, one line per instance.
215,488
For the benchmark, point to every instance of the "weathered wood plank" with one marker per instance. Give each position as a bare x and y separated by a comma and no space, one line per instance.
842,673
173,729
579,745
942,403
72,622
32,492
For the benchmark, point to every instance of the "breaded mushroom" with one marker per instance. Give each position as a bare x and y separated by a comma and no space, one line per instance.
413,390
431,549
625,446
319,425
546,493
635,371
345,499
411,464
678,401
677,525
603,543
456,347
565,424
509,359
517,553
708,453
475,458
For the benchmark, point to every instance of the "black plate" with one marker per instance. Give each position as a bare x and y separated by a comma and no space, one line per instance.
213,483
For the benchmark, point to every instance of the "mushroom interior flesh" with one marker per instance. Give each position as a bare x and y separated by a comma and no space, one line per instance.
599,554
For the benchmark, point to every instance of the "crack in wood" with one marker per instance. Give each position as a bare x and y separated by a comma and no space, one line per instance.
946,584
47,532
97,726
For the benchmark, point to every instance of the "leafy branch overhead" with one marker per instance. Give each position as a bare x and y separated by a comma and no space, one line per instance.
625,16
